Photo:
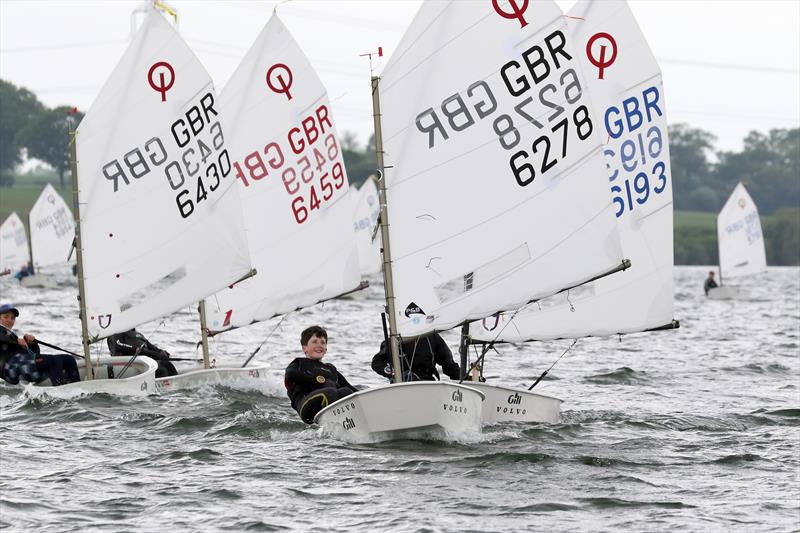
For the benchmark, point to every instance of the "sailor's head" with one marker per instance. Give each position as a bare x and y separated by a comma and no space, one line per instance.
314,341
8,315
710,273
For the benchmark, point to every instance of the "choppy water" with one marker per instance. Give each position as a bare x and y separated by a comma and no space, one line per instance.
695,429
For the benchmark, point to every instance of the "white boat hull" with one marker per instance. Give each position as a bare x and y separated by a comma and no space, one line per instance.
251,377
509,404
404,410
137,380
726,292
39,281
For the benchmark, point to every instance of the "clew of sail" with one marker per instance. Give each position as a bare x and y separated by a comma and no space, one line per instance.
14,253
367,210
493,157
739,237
625,85
296,200
160,218
52,229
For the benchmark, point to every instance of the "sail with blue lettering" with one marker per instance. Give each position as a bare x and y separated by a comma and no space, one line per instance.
495,170
52,229
739,236
624,83
160,216
14,252
296,200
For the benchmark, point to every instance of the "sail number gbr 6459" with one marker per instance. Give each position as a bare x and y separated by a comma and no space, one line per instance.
196,173
545,93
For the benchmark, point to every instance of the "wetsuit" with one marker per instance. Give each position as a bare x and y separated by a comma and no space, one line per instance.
422,354
132,342
27,364
709,284
312,385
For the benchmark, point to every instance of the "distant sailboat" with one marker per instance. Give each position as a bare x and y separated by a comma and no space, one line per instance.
630,107
367,209
493,189
52,234
741,244
14,251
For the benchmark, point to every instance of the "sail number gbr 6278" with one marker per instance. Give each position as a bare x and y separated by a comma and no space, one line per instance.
196,173
545,94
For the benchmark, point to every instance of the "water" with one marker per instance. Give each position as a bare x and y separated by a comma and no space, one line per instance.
694,429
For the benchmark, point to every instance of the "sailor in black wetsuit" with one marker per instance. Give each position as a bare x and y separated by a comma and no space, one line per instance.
422,355
20,358
310,383
710,283
132,342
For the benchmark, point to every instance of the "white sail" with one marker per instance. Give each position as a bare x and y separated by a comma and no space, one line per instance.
52,229
291,176
161,223
494,157
366,218
14,252
629,103
741,243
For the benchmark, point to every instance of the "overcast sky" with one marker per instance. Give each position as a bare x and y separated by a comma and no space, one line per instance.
729,66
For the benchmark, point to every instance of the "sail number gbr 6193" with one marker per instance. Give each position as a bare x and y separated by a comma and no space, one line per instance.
196,173
546,107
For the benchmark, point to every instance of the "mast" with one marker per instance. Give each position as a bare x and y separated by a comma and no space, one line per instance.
719,248
388,281
463,348
79,254
204,333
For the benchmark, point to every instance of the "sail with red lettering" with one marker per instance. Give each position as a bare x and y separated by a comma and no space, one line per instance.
14,253
52,229
624,81
296,199
495,173
160,217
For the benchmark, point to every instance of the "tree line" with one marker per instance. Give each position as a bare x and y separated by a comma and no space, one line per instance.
703,177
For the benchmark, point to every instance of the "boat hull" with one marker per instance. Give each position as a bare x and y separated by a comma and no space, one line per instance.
430,409
725,292
197,377
137,380
510,404
39,281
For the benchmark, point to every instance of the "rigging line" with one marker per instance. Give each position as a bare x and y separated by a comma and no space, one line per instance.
266,339
490,345
574,342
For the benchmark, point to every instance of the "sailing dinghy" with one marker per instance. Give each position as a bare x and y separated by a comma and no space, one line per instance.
52,234
158,219
741,244
296,204
630,109
14,251
491,183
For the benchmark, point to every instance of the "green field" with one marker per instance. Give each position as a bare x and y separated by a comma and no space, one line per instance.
20,198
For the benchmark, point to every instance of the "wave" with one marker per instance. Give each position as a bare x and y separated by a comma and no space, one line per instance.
609,503
621,376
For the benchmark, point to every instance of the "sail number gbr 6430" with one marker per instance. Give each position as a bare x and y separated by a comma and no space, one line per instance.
545,93
199,169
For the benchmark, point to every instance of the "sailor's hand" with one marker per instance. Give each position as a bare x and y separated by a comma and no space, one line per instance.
29,338
22,342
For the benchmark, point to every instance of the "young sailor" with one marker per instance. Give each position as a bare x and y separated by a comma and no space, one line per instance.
310,383
710,283
20,358
422,355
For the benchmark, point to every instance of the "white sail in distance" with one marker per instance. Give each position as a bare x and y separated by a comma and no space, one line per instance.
161,223
625,86
493,157
367,211
296,201
52,229
14,253
739,237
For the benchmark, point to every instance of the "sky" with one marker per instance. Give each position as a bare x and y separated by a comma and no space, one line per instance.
729,66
